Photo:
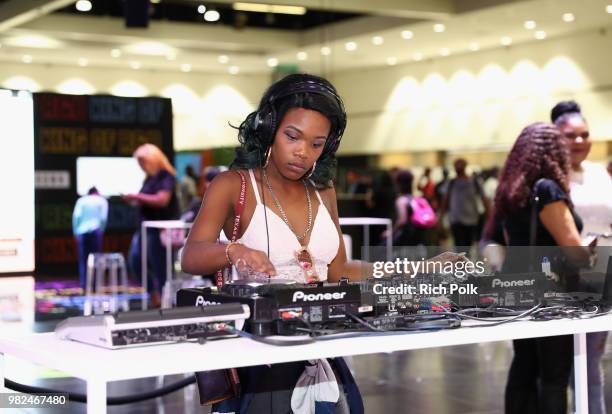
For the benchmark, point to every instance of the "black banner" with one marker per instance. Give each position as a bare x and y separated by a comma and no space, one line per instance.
70,126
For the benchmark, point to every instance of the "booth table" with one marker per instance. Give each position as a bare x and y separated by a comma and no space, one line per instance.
98,366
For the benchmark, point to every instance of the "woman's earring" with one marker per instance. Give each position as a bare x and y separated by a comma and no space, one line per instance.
268,153
311,170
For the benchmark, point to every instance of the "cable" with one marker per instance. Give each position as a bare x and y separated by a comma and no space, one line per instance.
82,398
363,322
271,341
489,323
263,200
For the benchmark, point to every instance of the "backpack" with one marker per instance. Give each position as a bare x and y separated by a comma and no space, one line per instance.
422,213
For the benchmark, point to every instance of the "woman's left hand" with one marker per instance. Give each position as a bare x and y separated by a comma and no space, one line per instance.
131,199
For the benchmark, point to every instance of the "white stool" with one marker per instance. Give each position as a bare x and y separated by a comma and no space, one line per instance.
99,265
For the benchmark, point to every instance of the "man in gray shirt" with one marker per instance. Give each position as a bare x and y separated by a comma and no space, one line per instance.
461,202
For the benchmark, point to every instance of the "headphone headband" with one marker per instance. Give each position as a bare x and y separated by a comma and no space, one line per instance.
304,86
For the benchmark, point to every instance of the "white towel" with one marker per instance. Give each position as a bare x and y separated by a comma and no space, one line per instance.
317,384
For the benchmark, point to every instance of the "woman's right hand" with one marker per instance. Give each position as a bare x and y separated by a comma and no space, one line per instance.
255,260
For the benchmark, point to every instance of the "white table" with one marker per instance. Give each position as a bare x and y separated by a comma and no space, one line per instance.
97,366
366,222
162,225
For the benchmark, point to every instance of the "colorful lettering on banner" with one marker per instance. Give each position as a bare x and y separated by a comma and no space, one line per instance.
102,140
57,140
150,111
130,139
112,110
61,249
53,107
122,217
56,216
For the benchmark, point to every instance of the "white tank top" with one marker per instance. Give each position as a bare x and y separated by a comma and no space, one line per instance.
323,244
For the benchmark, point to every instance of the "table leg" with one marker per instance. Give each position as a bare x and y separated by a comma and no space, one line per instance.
366,242
167,300
389,241
2,373
580,374
96,397
143,263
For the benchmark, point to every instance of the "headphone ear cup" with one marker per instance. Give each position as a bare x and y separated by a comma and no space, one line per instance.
267,125
257,121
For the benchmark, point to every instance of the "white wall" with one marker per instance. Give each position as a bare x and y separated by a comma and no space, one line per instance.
477,100
203,104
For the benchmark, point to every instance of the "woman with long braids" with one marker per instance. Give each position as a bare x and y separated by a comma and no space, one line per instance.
535,176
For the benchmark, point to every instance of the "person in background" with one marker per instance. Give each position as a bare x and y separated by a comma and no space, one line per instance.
610,168
440,189
191,213
405,233
157,200
188,188
490,183
591,193
461,202
380,204
537,168
88,224
426,186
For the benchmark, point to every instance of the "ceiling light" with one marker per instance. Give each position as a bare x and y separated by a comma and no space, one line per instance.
135,65
115,53
609,8
506,40
26,59
350,46
223,59
83,62
273,62
417,56
34,41
540,34
185,67
407,34
530,24
150,48
391,61
444,51
269,8
233,70
377,40
439,27
201,9
83,5
326,51
568,17
155,1
474,46
212,16
302,55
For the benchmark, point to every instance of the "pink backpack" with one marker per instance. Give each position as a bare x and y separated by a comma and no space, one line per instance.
422,213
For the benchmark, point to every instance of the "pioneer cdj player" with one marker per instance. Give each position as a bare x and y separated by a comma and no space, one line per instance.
278,307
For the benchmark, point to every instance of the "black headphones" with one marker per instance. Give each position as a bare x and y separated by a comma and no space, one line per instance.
266,117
